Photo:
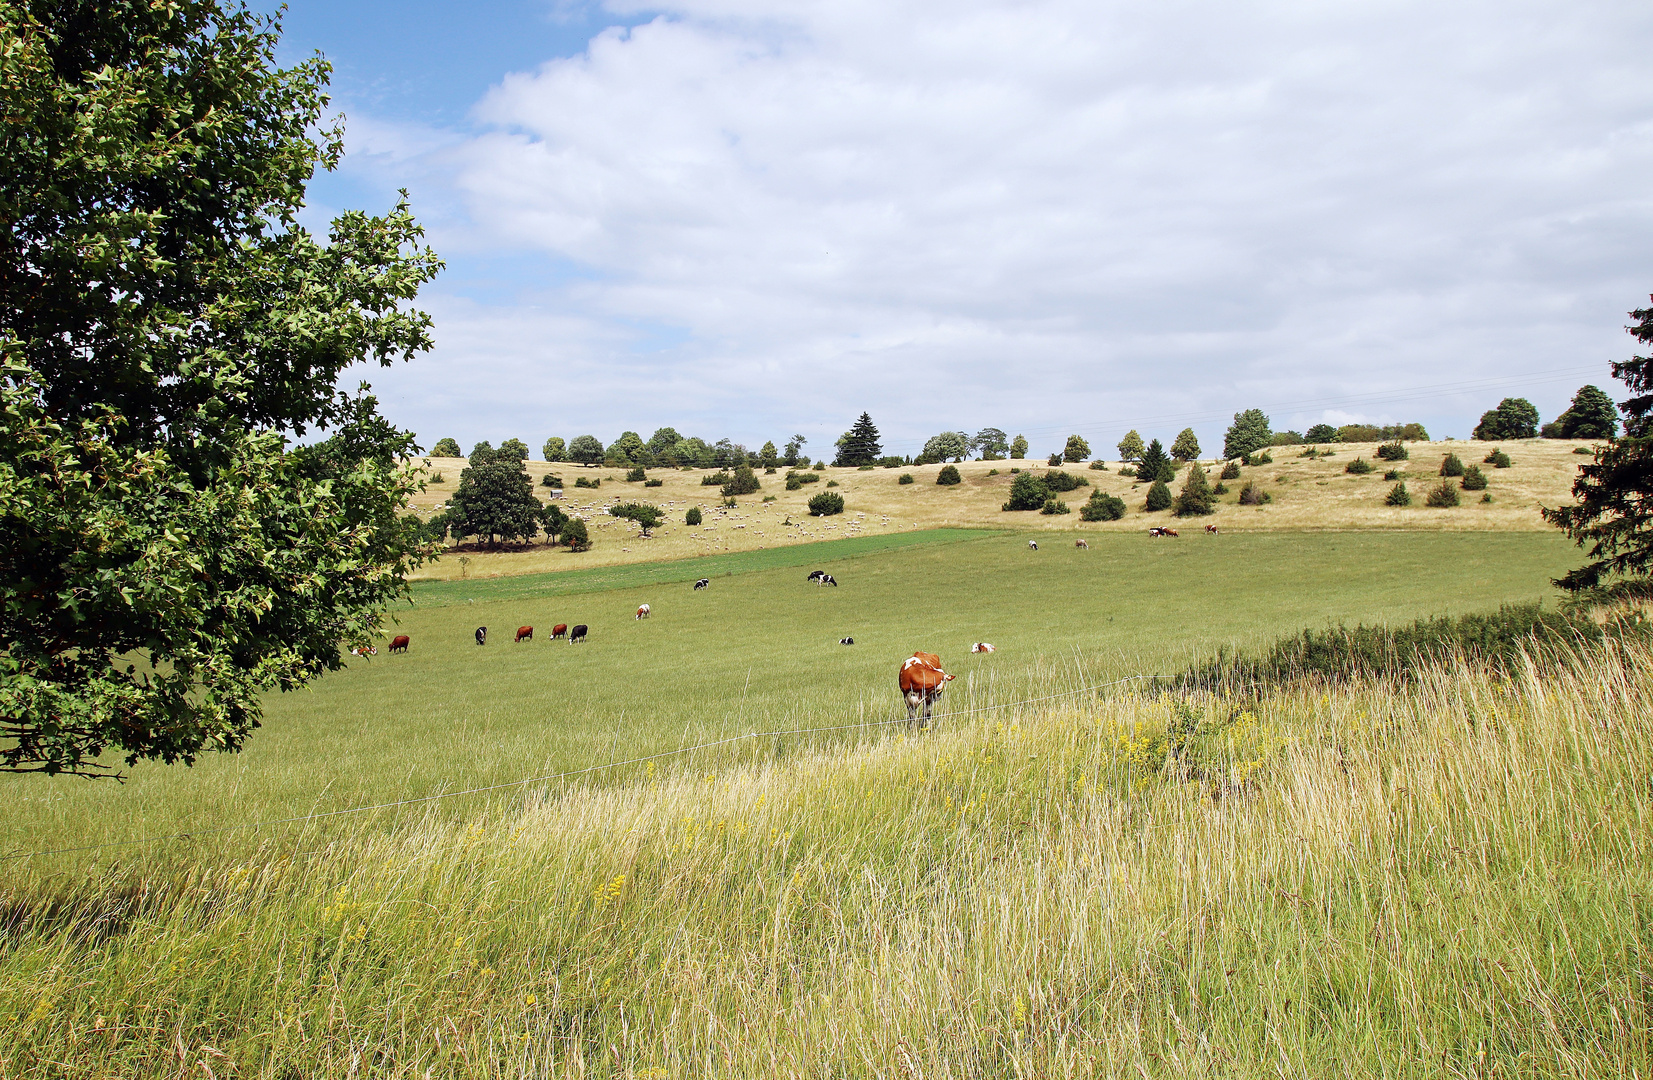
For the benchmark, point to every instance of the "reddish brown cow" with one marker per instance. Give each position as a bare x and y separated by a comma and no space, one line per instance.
922,680
399,643
559,630
525,633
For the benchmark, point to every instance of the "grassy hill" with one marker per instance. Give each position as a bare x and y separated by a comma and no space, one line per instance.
1307,494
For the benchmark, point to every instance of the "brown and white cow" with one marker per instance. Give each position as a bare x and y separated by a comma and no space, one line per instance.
983,646
1081,544
922,680
642,611
559,630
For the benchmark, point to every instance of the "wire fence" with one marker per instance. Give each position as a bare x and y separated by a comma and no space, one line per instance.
568,774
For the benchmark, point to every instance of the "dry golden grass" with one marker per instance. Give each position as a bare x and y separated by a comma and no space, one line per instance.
1309,493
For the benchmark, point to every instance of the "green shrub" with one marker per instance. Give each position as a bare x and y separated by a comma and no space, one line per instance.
1052,506
1196,498
1159,496
743,482
1359,466
1486,496
1497,459
574,535
551,480
1260,457
794,484
1102,507
717,479
636,475
1099,466
1252,495
865,468
1014,471
729,502
992,472
1127,470
580,481
1582,450
1398,496
1027,492
1220,489
904,478
1392,451
1442,496
692,517
446,448
1311,452
832,483
769,470
1474,479
769,498
948,476
1055,459
1231,471
645,514
826,504
654,483
803,477
1057,480
1451,466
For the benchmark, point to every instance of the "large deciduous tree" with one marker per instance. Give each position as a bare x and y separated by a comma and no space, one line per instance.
168,334
1614,513
1131,446
991,443
949,445
1248,434
1187,446
495,500
1076,450
859,445
585,450
1514,418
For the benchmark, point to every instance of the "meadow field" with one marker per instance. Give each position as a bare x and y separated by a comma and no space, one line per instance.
1307,494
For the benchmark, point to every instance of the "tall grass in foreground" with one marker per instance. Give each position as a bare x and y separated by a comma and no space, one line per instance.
1449,878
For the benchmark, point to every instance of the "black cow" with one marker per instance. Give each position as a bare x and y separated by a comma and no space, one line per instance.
577,635
703,583
846,641
482,635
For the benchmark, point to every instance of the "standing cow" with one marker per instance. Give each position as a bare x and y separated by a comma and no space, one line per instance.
524,633
703,583
1081,544
577,635
922,680
399,643
642,611
482,635
1033,545
560,630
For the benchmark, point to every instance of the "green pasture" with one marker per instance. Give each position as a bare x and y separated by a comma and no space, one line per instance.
758,651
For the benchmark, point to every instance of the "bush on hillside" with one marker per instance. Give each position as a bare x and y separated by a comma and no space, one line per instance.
1102,507
948,476
1057,480
1582,450
1359,467
551,480
574,535
1252,495
1442,496
832,483
1393,451
1220,489
1393,474
1027,492
1127,470
636,475
1398,496
1452,466
803,477
1474,479
446,448
1196,498
692,517
1231,471
743,482
904,478
826,504
1159,496
647,515
1259,458
1099,466
654,483
1498,460
582,482
717,479
1052,506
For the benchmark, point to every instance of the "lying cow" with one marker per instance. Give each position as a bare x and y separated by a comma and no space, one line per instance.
482,635
922,680
577,635
524,633
642,611
983,646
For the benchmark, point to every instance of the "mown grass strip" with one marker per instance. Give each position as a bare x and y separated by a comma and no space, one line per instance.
602,578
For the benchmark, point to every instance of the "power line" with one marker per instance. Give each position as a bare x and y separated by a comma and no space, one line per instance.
302,818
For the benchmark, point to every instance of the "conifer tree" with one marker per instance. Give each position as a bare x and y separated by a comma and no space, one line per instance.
859,445
1196,497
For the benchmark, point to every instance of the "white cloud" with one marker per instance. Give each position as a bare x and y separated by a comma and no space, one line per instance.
1045,216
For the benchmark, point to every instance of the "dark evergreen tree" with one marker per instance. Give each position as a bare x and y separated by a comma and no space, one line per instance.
1159,496
860,445
1196,497
1590,416
1155,465
1613,514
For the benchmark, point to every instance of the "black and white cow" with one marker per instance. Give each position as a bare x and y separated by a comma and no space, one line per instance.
703,583
828,579
482,635
846,641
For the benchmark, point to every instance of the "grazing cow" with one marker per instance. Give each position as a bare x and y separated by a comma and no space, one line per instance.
828,579
1212,529
482,635
1081,544
642,611
846,641
1162,530
1033,545
817,575
399,643
525,633
922,680
577,635
560,630
983,646
703,583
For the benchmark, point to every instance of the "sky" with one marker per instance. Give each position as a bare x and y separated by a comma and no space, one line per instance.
749,220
